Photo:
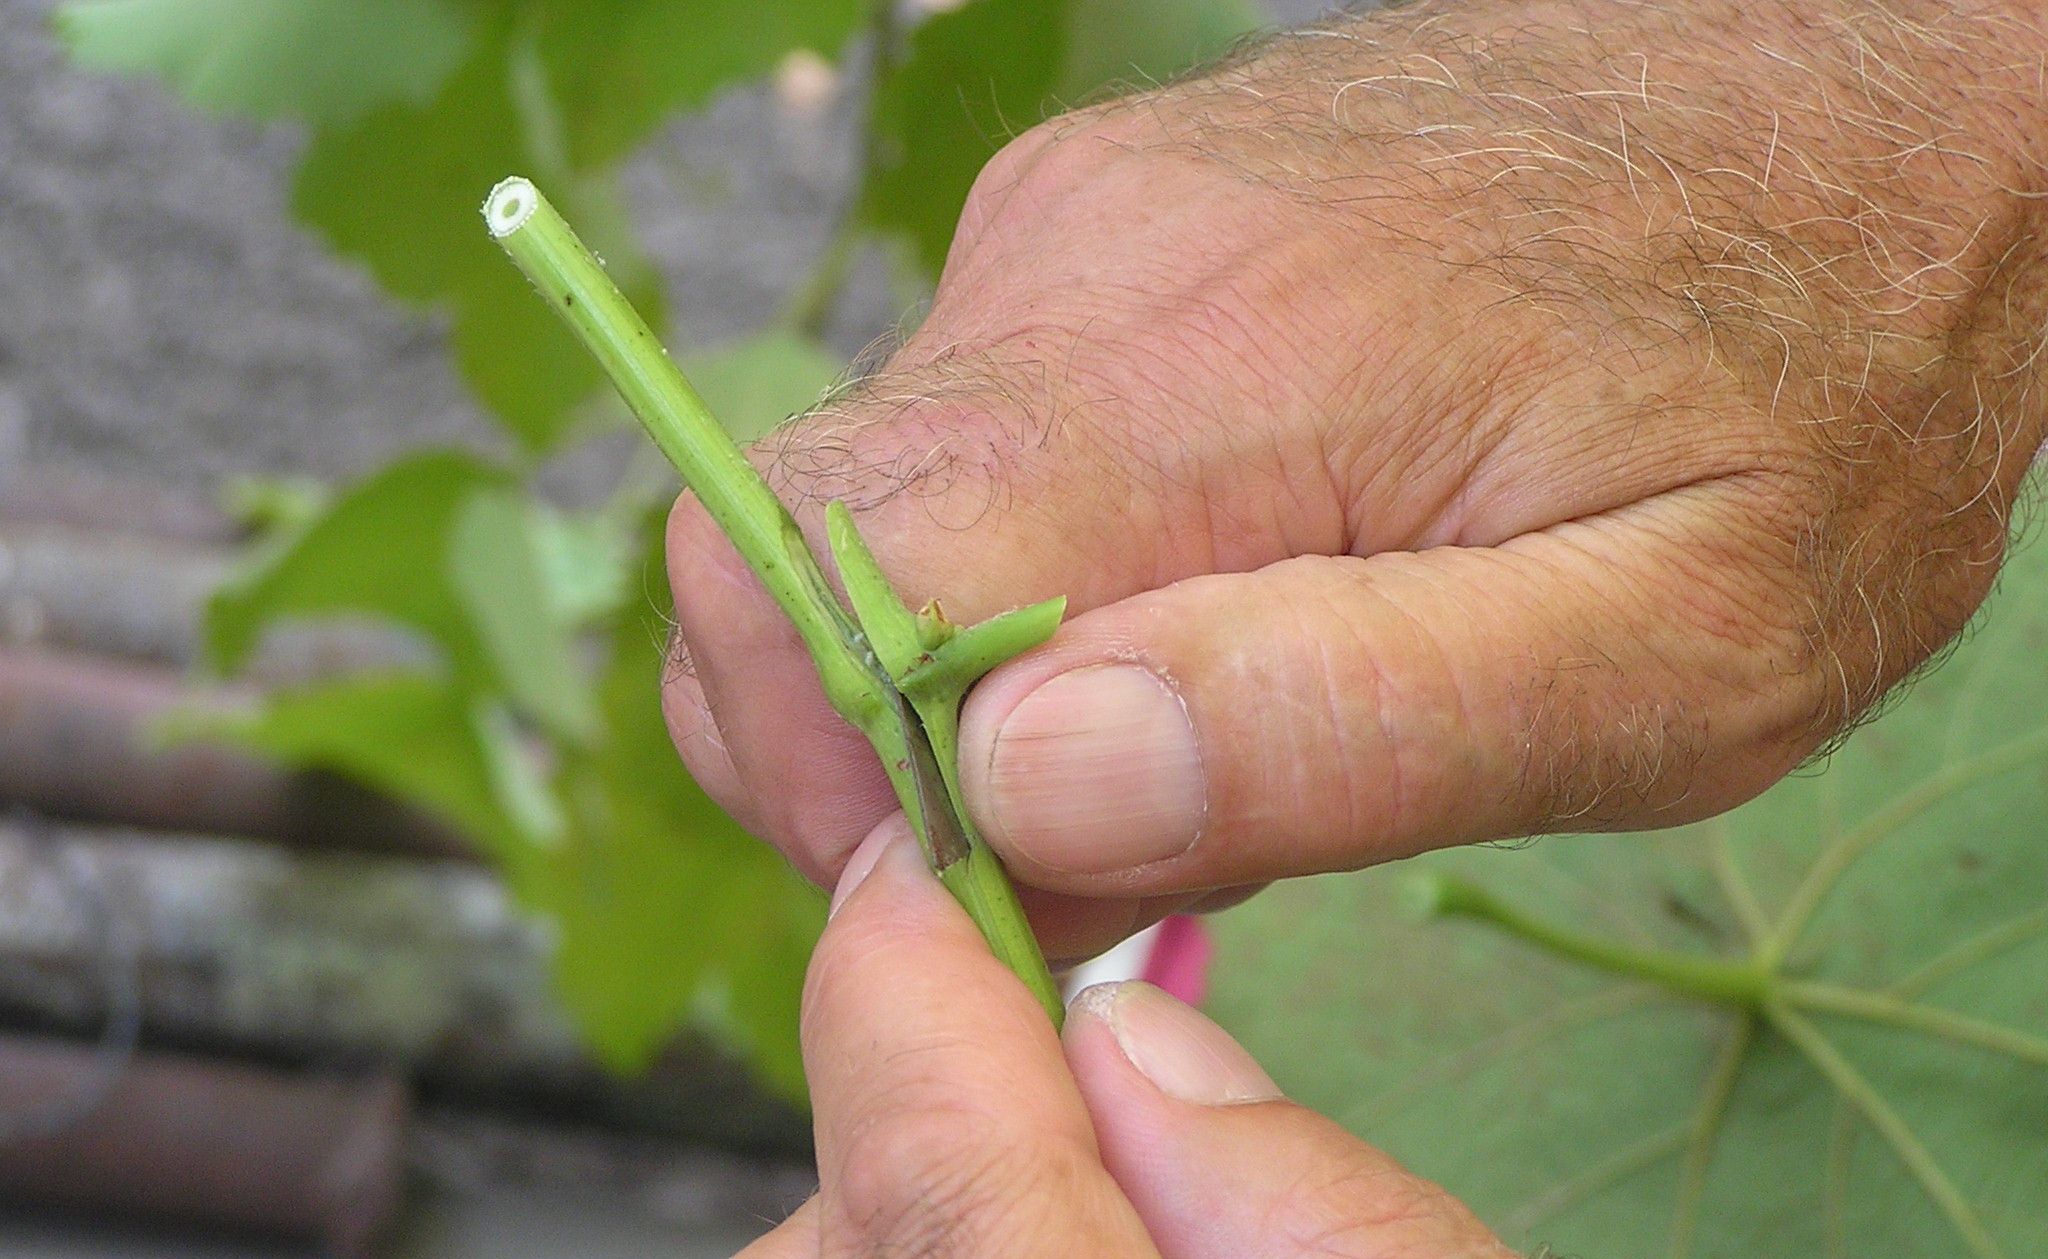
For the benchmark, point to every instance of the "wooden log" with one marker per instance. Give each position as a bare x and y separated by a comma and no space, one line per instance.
123,594
142,598
216,1144
76,743
424,968
85,499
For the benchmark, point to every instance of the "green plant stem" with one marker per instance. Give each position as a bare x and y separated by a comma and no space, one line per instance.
1708,979
1706,1130
811,304
1890,1011
1835,861
570,278
747,511
1849,1082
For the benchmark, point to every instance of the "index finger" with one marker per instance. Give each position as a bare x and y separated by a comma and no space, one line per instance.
947,1122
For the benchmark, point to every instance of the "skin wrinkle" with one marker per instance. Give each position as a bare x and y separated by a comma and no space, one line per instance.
1395,791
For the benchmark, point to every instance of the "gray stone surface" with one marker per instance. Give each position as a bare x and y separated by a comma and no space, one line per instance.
163,317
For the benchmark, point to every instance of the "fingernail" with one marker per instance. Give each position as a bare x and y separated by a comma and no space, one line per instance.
1176,1047
864,859
1096,771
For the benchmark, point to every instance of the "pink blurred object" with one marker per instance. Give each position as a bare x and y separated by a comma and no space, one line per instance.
1179,961
1174,955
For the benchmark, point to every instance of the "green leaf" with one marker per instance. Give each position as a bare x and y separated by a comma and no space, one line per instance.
665,906
621,67
273,506
495,571
413,737
375,550
754,384
419,107
584,562
1137,43
399,191
1605,1117
982,73
325,61
757,983
973,78
439,543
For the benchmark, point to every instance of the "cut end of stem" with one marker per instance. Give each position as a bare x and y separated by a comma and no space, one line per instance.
510,204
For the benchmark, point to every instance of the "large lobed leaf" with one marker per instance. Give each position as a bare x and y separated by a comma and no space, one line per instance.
398,190
621,67
1572,1107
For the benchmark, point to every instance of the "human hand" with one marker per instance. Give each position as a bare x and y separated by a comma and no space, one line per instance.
1459,424
951,1121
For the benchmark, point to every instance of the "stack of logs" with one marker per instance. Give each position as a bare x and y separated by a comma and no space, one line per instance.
237,995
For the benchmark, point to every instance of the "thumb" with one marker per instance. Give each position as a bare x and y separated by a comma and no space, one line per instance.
1219,1166
1328,713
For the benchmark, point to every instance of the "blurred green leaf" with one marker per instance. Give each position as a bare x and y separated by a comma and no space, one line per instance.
756,985
754,384
399,191
1564,1104
972,78
663,906
977,75
661,898
585,561
375,550
1137,43
411,736
273,506
493,565
620,68
419,108
439,543
326,61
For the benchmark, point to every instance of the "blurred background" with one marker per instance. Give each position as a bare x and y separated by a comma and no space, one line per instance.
351,900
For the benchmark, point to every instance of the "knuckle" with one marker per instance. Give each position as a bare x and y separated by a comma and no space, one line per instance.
999,179
1044,165
1007,166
